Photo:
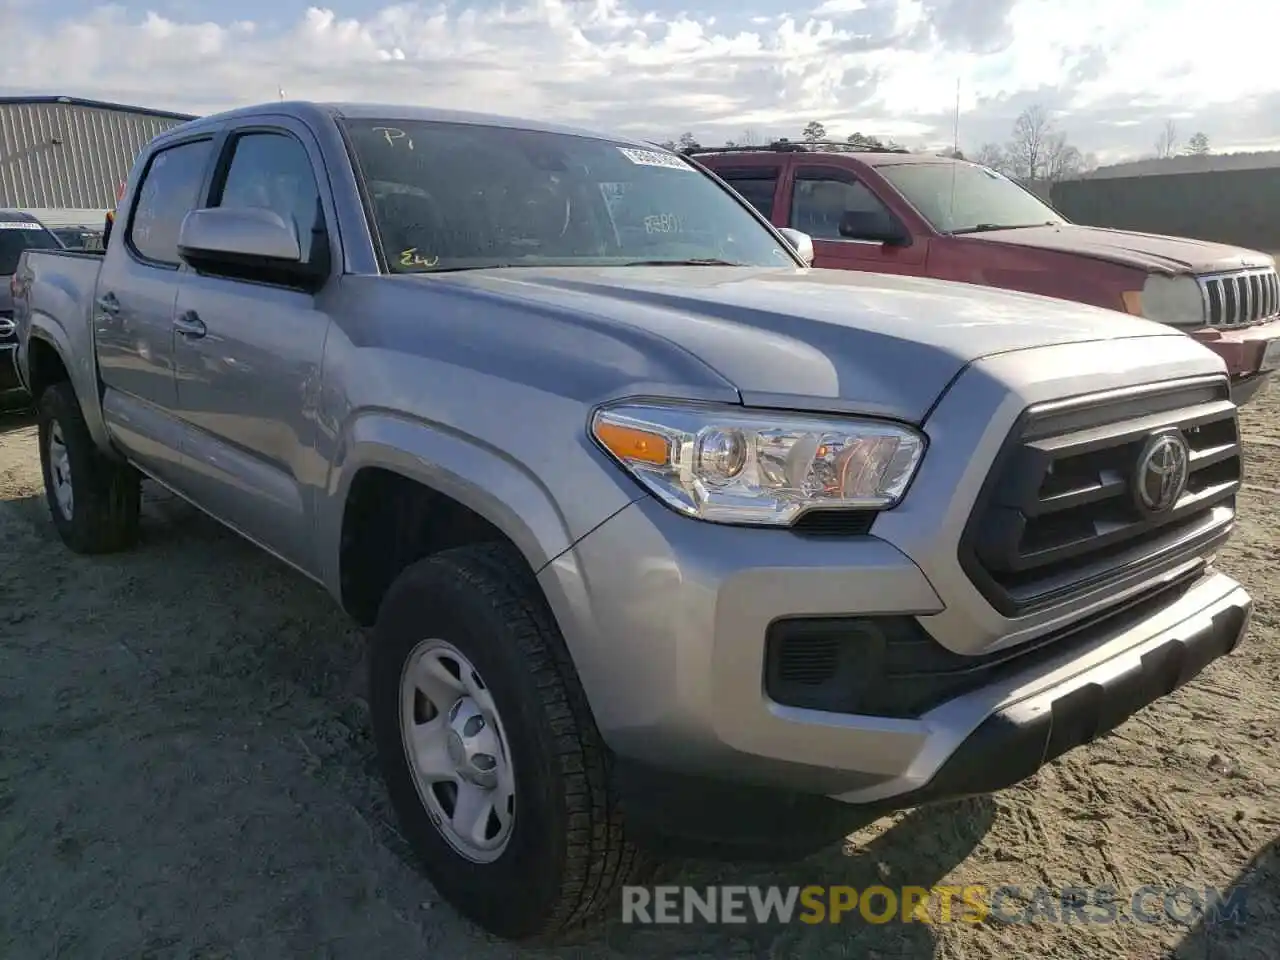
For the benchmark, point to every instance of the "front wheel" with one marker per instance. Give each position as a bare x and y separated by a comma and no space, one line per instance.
491,758
94,500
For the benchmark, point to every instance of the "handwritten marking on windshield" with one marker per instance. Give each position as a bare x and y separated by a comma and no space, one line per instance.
412,258
662,223
394,134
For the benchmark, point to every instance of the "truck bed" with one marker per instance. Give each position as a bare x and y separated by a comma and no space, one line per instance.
61,286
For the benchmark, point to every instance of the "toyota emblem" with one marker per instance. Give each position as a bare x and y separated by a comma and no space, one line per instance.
1161,475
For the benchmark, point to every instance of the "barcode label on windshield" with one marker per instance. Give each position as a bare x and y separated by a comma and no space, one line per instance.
652,158
18,225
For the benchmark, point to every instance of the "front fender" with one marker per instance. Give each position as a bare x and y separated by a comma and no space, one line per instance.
486,480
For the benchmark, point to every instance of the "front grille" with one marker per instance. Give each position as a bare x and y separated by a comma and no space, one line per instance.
8,329
1060,513
1240,298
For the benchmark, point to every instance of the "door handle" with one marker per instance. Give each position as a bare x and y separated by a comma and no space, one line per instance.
108,304
190,325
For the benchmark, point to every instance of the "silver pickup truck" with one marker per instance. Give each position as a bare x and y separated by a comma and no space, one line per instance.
667,540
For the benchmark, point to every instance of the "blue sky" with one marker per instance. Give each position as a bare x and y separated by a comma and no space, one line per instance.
1111,73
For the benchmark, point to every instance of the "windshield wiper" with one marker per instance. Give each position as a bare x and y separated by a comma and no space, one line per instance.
987,227
692,262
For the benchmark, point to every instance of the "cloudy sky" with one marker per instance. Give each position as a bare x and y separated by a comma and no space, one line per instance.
1112,71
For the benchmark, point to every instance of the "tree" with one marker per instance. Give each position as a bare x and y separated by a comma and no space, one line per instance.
992,155
1038,151
1028,149
687,141
1198,145
1167,142
813,130
750,137
1061,159
862,140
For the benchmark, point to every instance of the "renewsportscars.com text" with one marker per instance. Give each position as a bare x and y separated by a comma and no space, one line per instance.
1150,904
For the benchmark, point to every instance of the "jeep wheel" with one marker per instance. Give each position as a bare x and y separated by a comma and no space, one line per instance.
491,758
94,500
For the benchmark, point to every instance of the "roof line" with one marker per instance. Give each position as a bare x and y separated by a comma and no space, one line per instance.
98,104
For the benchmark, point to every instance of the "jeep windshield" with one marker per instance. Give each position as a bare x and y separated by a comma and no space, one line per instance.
962,197
458,196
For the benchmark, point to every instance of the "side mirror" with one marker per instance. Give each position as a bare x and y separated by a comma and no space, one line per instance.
801,242
877,226
246,243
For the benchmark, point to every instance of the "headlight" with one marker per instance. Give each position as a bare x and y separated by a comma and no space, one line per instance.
1176,301
741,466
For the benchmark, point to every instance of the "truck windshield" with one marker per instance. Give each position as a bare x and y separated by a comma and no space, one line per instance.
456,196
19,235
959,197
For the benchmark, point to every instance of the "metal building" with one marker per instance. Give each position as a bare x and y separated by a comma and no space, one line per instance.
63,153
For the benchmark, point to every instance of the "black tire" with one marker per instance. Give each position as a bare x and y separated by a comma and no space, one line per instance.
568,851
106,494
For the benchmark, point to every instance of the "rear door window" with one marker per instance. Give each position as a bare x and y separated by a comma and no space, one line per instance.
170,189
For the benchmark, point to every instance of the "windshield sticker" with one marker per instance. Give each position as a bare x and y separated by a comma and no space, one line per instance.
394,135
652,158
412,258
18,225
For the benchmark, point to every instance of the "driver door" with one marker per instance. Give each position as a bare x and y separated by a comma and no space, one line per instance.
820,196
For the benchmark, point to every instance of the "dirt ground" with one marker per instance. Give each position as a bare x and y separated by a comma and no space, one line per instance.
186,771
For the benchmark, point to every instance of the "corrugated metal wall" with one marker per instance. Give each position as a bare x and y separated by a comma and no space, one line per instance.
67,155
1239,207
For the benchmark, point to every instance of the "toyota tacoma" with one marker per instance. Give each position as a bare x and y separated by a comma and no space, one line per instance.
667,540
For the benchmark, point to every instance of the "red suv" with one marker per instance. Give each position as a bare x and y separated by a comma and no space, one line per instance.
890,211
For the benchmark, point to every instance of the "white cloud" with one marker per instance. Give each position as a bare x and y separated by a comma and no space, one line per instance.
882,66
830,8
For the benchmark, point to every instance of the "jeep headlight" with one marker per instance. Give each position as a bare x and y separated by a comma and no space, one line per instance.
1175,300
732,465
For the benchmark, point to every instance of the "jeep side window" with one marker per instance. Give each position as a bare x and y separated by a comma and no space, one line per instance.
169,190
757,186
819,200
272,171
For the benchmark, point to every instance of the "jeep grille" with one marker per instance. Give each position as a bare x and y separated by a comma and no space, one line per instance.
1240,298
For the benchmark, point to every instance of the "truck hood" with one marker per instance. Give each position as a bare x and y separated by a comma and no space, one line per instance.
1145,251
824,339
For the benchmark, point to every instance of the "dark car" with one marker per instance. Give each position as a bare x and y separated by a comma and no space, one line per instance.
18,231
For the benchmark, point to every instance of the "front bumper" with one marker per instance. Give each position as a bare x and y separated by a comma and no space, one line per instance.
666,619
1242,349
